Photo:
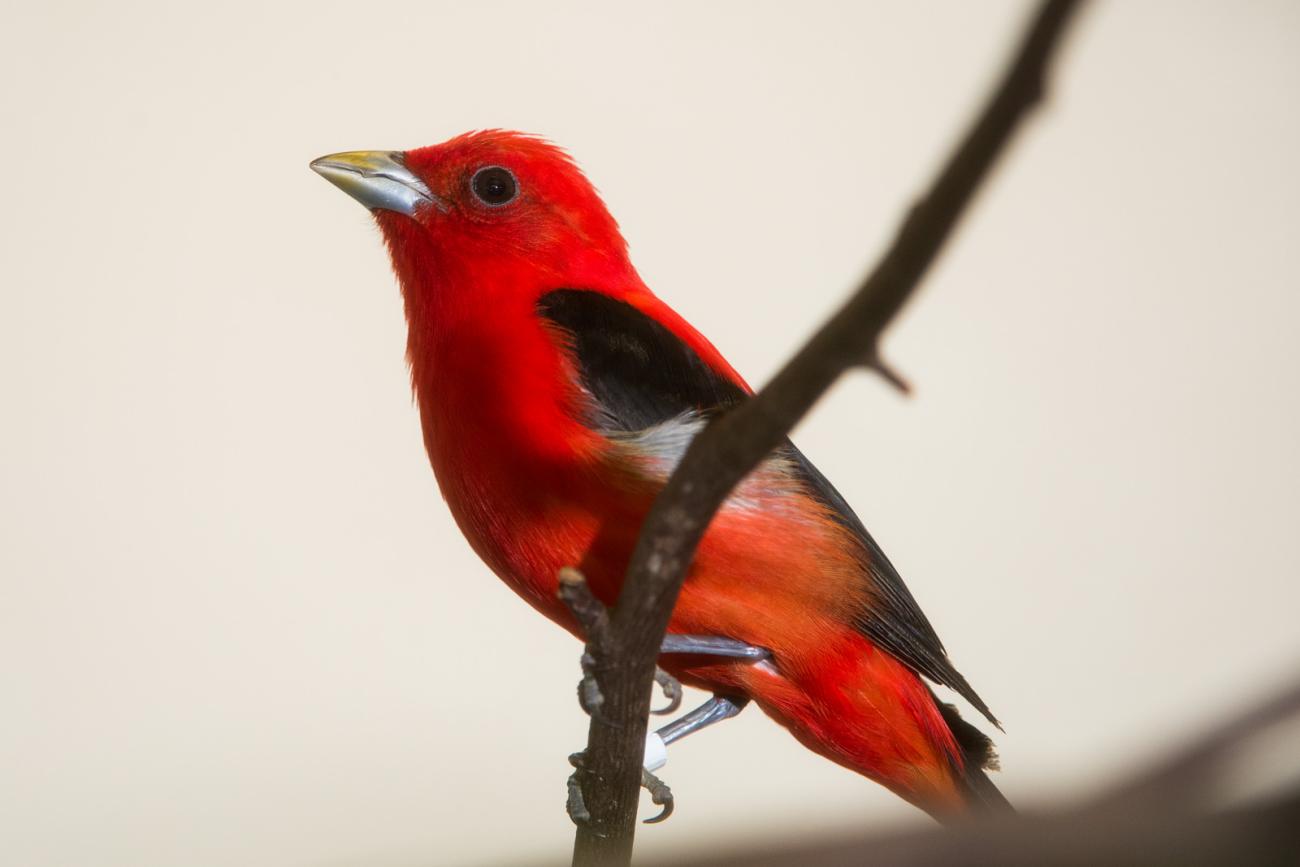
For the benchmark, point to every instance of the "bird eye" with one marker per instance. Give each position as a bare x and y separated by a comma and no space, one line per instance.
494,186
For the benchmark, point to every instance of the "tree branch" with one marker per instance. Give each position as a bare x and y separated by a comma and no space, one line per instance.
734,444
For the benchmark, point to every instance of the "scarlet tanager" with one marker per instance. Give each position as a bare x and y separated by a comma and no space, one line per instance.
557,393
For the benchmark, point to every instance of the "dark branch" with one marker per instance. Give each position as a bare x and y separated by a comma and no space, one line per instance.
733,445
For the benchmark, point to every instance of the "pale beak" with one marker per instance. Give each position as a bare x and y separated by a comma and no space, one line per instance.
378,180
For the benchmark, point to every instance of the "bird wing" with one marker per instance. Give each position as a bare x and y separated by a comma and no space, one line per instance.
641,375
637,371
893,621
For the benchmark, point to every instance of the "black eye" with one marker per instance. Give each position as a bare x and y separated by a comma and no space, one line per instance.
494,185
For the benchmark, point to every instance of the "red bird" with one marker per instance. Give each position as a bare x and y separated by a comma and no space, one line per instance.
557,393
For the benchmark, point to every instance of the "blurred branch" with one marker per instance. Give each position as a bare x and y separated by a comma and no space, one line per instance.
733,445
1159,817
1189,775
1262,836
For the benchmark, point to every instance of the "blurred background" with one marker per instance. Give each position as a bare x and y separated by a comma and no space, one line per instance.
237,624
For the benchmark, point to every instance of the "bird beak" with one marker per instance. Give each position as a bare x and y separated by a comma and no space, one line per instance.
377,179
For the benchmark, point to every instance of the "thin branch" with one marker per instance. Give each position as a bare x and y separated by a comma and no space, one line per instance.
734,444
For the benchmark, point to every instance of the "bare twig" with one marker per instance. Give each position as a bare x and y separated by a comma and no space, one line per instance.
729,449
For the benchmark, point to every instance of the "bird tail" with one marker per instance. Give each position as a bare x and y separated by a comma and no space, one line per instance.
870,713
977,756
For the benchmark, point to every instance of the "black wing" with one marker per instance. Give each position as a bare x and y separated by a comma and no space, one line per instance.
640,374
893,621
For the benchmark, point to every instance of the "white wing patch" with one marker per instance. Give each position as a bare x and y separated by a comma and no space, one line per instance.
663,444
659,449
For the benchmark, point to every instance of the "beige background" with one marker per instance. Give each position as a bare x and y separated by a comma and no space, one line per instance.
237,625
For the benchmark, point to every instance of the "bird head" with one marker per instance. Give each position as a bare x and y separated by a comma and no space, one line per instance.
483,214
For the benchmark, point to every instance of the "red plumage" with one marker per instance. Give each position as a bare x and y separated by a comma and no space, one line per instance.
512,419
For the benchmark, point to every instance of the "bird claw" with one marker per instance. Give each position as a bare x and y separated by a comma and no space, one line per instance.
590,697
672,688
718,708
576,805
659,793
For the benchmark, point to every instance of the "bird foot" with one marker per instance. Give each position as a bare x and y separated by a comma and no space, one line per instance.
672,688
576,804
659,793
590,697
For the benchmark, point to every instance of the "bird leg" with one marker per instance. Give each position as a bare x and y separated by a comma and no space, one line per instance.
714,710
713,645
705,645
590,699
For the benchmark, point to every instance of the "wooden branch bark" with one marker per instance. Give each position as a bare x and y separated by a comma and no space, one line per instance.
734,444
